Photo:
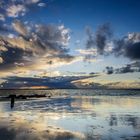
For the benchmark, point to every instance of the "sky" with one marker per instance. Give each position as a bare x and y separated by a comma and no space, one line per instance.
99,39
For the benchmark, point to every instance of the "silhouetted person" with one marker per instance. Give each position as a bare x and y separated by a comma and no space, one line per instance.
12,100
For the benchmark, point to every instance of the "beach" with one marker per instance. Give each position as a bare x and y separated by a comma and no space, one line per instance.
72,117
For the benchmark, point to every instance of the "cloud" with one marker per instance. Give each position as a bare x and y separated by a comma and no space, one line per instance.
22,129
90,43
16,10
100,38
91,51
128,68
103,42
109,70
41,4
31,1
12,56
35,47
123,85
100,41
58,35
55,61
1,60
103,35
89,55
20,28
51,82
27,48
125,69
128,46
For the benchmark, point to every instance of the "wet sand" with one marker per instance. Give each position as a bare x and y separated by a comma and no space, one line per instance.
72,118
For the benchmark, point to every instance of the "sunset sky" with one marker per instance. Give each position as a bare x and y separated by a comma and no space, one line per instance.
41,39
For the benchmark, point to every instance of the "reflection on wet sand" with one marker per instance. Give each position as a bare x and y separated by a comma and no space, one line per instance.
19,128
72,118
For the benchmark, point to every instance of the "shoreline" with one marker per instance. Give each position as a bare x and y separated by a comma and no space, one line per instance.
74,89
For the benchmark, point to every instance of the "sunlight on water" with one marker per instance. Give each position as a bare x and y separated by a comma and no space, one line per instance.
73,117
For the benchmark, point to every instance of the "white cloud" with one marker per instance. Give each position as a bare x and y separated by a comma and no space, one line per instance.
11,35
42,4
109,47
31,1
19,64
91,51
16,10
1,60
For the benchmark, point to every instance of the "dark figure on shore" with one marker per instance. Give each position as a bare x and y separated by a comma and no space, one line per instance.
12,100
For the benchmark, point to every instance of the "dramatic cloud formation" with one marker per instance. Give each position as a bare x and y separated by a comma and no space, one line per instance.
41,45
34,41
103,44
28,46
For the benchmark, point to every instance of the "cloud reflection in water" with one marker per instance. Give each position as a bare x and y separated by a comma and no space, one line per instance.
75,117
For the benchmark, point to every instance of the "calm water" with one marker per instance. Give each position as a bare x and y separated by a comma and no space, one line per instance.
76,114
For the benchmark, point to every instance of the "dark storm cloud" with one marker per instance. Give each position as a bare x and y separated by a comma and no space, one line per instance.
128,46
13,57
103,34
10,54
133,51
103,42
98,42
129,68
100,38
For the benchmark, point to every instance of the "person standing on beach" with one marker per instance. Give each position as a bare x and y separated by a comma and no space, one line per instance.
12,100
